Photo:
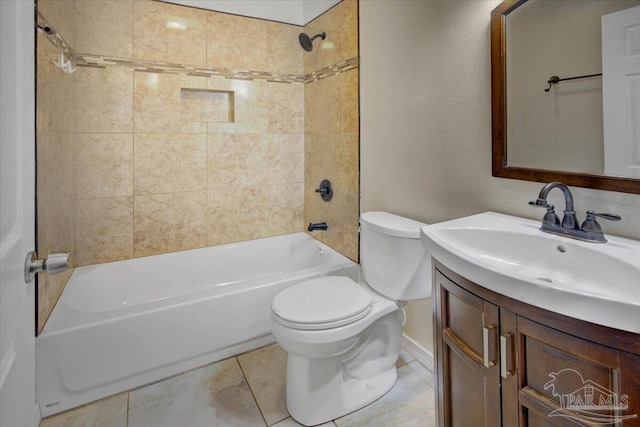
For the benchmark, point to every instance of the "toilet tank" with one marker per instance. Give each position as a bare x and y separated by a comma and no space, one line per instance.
394,262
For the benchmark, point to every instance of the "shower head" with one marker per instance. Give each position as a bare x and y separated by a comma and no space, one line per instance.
307,43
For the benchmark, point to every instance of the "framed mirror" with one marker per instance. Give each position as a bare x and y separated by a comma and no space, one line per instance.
547,95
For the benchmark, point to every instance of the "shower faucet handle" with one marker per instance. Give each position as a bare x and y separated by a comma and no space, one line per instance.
325,190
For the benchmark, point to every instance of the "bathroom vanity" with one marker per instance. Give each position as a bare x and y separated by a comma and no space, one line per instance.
525,333
496,358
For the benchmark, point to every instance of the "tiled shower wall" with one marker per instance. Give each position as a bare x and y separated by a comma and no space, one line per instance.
331,117
155,162
56,140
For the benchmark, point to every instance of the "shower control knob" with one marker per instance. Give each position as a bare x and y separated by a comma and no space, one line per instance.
53,264
325,190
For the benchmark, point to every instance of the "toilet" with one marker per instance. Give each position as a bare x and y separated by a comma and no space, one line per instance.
343,338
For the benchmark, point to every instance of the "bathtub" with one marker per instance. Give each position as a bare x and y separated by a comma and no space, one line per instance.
120,325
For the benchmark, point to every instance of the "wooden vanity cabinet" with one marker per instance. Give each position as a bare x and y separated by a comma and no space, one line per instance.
500,362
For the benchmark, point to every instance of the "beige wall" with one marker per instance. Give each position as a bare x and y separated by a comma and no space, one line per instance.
332,129
426,125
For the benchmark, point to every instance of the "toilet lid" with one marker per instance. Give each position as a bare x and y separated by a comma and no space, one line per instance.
323,300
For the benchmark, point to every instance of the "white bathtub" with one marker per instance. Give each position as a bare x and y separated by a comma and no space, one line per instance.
124,324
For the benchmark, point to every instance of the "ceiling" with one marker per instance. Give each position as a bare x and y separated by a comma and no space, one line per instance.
297,12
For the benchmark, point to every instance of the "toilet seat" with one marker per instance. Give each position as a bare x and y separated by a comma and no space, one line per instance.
324,303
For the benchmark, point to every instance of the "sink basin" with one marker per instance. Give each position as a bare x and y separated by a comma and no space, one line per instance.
596,282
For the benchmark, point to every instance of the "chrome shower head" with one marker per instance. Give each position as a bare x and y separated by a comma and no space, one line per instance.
307,43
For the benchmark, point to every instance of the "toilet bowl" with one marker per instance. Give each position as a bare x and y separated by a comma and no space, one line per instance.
343,338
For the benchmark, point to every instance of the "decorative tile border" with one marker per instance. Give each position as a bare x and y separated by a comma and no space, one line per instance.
86,60
97,61
332,70
55,37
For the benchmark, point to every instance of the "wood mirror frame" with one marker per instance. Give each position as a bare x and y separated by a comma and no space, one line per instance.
499,165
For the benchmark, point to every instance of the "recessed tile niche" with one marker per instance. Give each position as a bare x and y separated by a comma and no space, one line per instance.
206,105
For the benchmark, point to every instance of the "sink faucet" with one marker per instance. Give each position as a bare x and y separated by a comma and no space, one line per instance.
589,231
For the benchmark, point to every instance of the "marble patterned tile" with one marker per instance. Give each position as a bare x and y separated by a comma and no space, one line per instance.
169,222
103,230
62,99
286,108
227,35
109,412
250,109
328,51
55,166
216,395
349,29
422,371
350,101
283,49
290,422
105,100
169,33
104,165
410,402
266,371
345,163
169,163
238,160
286,213
238,214
323,106
157,101
105,27
285,159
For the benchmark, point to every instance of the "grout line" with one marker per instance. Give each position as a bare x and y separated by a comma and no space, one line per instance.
251,390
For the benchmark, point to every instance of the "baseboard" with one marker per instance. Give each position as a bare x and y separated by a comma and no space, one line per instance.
417,351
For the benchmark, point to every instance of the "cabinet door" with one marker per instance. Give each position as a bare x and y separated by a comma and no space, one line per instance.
567,381
468,385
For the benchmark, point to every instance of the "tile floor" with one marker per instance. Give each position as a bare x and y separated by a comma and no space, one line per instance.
246,391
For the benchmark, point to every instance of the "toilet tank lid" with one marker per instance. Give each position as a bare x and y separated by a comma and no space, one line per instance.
393,225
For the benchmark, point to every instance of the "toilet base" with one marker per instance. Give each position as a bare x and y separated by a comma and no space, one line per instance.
324,404
326,388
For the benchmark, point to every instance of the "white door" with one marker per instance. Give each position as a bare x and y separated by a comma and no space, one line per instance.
621,92
17,199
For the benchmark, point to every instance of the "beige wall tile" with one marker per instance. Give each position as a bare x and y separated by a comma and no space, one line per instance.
55,164
105,100
104,165
105,27
328,51
169,33
350,100
349,29
286,213
346,162
283,48
109,412
170,222
62,16
169,163
285,159
237,214
157,103
323,106
251,109
286,108
236,42
104,230
238,160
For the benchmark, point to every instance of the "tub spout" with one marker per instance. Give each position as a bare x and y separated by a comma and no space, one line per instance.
317,226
